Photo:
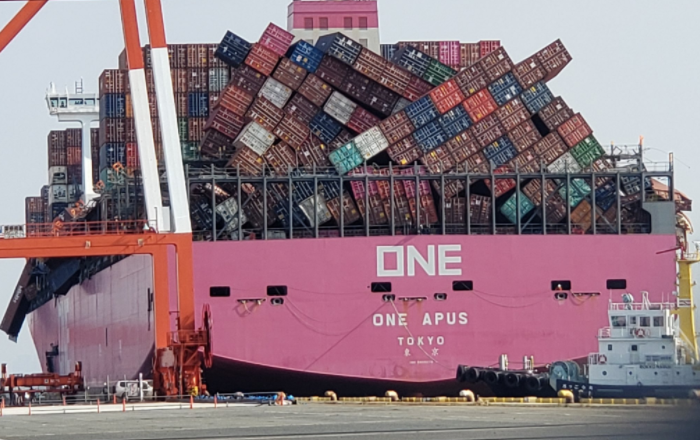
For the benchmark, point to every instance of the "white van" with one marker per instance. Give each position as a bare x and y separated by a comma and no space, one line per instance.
129,389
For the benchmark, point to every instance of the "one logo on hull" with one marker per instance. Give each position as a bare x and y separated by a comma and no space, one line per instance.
401,261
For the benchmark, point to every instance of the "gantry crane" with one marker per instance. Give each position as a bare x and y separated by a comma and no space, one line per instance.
178,353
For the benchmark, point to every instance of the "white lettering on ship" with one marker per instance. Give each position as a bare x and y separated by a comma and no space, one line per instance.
431,319
432,263
420,341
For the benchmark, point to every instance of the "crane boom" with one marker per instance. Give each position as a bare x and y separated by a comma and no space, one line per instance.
19,21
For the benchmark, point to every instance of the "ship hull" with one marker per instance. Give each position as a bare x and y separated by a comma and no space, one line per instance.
333,332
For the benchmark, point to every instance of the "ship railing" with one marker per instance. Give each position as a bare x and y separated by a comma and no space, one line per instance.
605,332
642,306
74,229
595,359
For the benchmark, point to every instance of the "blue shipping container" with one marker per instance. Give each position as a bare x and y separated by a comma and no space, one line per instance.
282,211
198,105
498,147
605,196
341,47
430,137
422,112
455,121
537,97
324,127
505,89
413,60
111,154
233,49
113,105
306,55
331,190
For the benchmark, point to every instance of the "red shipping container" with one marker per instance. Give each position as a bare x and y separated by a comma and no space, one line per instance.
315,90
447,96
480,105
416,88
470,54
405,152
471,80
280,158
562,113
496,64
113,81
313,154
265,113
512,114
276,39
395,78
523,159
502,185
197,55
289,74
553,153
478,164
548,142
198,80
488,46
247,161
213,61
291,131
357,86
491,135
74,137
248,79
236,99
225,122
380,99
214,99
262,59
462,146
450,53
333,71
130,130
195,128
132,156
525,136
181,105
301,108
529,72
74,156
574,130
180,80
438,161
370,64
397,127
113,130
57,149
554,58
342,139
485,125
361,120
216,145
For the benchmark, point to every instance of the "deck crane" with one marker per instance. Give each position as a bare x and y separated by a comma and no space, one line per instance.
177,363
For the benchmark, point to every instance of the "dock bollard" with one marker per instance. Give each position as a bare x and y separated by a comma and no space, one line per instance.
63,399
566,394
216,401
191,402
280,399
98,406
393,395
123,404
115,399
2,405
30,407
332,395
468,394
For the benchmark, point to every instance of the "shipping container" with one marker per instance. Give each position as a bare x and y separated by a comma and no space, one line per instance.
233,50
276,39
340,107
265,113
501,151
469,54
371,142
422,112
412,60
235,99
281,158
505,89
112,81
370,64
455,121
256,138
301,108
248,79
430,136
112,154
587,151
462,146
525,136
306,56
315,90
198,105
113,105
510,207
555,113
437,73
575,130
537,97
416,88
197,80
276,92
346,158
480,210
578,191
554,58
292,131
218,79
447,96
480,105
216,145
361,120
289,74
247,159
438,160
324,127
397,127
395,78
262,59
496,64
529,72
340,47
313,154
223,121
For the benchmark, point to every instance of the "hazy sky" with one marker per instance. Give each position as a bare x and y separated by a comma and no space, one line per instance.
635,72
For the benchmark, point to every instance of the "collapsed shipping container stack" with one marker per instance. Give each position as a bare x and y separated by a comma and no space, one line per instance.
454,54
65,175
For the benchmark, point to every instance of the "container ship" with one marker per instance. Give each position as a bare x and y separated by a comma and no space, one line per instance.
365,217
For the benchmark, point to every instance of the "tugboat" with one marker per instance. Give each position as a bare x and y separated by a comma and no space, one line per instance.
642,353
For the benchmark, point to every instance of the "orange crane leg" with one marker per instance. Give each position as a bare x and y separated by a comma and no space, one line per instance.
19,21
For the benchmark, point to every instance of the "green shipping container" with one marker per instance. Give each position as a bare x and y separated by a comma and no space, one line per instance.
346,158
587,151
190,151
509,209
579,190
183,130
437,73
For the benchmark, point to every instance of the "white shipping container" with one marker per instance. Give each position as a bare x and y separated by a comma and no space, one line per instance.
255,137
58,175
276,92
371,142
307,206
218,79
565,163
340,107
228,210
58,194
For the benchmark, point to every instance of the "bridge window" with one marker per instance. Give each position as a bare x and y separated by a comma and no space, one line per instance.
609,347
658,321
89,102
644,321
54,102
633,320
619,321
219,292
381,287
76,102
635,348
63,103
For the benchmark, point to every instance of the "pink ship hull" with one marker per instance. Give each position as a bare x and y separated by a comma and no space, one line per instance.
332,328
